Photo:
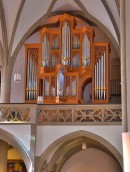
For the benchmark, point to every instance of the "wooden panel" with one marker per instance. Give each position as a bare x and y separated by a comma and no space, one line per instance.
79,68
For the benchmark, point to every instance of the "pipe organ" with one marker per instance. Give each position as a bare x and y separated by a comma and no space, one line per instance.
62,64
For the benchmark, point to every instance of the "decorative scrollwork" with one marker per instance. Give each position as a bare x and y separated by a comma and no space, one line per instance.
62,114
14,114
33,53
80,115
98,52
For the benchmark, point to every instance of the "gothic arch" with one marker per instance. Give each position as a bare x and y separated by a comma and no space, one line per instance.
12,140
70,144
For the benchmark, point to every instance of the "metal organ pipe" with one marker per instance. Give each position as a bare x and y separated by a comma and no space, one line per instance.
95,82
69,44
85,51
28,68
100,78
65,44
45,52
104,75
31,79
67,41
88,52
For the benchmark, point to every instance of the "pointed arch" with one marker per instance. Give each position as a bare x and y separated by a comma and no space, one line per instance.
12,140
68,145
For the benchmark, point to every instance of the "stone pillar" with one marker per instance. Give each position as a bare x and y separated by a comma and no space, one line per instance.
5,84
123,65
33,146
126,151
3,156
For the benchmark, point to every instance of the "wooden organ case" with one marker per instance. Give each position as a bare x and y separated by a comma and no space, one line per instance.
64,62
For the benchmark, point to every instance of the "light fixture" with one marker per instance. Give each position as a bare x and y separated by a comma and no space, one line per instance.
40,100
84,145
17,75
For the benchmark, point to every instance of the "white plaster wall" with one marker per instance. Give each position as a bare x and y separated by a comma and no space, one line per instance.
91,160
17,89
21,132
33,10
62,5
46,135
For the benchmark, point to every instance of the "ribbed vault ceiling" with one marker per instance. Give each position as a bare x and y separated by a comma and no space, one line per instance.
18,17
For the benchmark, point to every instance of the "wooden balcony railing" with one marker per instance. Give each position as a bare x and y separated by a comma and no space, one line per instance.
61,114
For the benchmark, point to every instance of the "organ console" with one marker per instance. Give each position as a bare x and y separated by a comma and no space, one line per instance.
60,66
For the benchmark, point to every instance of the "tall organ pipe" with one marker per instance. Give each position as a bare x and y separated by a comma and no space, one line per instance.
88,52
85,51
99,77
95,81
32,80
69,45
28,66
65,44
45,52
104,75
67,41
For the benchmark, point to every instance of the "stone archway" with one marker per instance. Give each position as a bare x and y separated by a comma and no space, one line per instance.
12,140
68,145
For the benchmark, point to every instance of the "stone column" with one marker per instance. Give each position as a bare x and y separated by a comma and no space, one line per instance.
33,146
123,65
5,84
126,151
3,156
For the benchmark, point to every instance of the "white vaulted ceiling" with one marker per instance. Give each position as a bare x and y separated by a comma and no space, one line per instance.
100,13
11,10
33,10
66,5
31,13
114,10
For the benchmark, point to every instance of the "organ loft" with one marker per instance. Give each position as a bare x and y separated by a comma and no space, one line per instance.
66,60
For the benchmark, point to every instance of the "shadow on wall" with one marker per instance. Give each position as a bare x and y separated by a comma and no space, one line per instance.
91,160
